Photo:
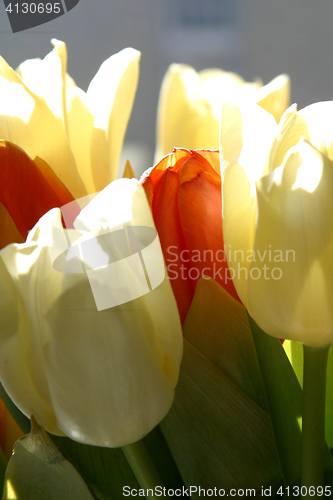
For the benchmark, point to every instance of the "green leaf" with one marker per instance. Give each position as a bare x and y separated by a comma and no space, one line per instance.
3,466
217,325
105,470
160,454
284,397
37,470
218,436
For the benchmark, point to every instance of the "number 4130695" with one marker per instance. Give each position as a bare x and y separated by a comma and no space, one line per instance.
302,491
34,8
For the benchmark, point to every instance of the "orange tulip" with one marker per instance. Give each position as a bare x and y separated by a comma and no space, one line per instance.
184,192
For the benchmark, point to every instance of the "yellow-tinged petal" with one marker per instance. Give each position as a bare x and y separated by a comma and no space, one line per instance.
275,96
180,90
247,132
292,128
46,78
294,239
110,98
104,377
189,108
128,171
22,332
218,86
319,119
80,127
27,121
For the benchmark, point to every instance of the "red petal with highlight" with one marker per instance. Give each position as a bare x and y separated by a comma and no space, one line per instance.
200,211
166,217
28,189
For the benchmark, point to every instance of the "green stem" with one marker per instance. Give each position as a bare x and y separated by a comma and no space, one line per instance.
143,467
313,420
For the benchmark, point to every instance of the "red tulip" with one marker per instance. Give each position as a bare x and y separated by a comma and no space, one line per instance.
184,192
28,189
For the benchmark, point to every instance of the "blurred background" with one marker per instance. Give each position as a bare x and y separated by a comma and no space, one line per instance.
254,38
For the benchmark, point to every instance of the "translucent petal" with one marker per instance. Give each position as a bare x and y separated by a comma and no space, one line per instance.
294,241
275,96
110,98
104,377
27,120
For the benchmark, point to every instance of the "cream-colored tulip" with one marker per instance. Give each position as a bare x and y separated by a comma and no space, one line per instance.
100,371
189,108
278,217
78,134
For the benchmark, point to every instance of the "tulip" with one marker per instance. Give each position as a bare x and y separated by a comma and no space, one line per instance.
189,108
278,218
91,352
78,134
184,192
20,179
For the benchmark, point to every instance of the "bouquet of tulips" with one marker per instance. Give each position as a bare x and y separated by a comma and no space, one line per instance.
151,330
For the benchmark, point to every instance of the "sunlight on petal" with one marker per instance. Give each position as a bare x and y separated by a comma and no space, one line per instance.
308,177
17,101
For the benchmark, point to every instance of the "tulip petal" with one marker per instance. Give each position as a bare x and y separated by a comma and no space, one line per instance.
110,99
275,96
102,377
80,126
9,232
46,78
319,119
168,225
128,171
199,202
292,128
180,92
247,132
213,158
22,366
26,120
20,180
295,218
